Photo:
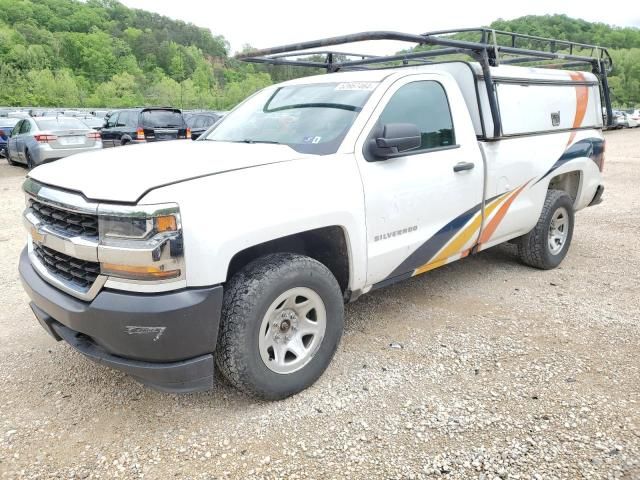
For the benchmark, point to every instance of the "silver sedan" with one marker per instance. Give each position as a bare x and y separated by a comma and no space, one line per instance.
35,141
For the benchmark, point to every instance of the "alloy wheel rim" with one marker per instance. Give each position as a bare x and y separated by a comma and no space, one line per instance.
558,230
292,330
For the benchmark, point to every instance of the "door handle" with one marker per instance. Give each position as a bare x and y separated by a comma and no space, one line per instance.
462,166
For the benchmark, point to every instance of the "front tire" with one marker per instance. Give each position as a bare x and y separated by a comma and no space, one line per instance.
282,320
547,244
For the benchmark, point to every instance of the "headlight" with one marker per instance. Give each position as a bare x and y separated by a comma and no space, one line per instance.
136,228
141,243
137,223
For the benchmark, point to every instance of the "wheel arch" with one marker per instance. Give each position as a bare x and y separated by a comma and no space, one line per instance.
328,245
569,182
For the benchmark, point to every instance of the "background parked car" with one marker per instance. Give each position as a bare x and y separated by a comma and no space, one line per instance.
6,126
618,120
35,141
141,125
625,120
199,122
18,114
635,114
93,122
99,113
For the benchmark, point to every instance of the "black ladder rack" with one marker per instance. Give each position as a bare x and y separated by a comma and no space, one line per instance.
492,48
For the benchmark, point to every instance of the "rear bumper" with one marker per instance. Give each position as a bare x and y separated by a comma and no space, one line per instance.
163,340
45,153
597,198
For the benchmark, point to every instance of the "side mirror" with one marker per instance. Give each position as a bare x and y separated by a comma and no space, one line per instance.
393,139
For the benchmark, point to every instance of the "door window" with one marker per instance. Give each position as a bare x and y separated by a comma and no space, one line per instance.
425,105
26,126
123,117
16,130
208,121
132,121
111,122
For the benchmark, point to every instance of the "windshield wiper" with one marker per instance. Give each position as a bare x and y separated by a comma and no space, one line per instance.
246,140
250,140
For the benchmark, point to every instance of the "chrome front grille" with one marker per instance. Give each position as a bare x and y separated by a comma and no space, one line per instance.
66,251
64,240
79,273
65,221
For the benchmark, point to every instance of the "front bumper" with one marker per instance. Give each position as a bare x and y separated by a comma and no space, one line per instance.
164,340
597,198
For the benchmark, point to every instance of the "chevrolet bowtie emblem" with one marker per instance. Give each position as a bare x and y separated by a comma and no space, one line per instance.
36,235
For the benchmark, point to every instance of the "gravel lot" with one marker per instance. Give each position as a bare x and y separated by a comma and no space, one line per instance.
482,369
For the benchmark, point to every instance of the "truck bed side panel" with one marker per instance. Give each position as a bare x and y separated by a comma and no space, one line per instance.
522,167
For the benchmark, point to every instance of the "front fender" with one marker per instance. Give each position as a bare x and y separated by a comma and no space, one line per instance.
226,213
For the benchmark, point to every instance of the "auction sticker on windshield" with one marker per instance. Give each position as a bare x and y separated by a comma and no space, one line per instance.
366,86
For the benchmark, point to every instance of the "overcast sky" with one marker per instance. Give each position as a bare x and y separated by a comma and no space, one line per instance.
268,23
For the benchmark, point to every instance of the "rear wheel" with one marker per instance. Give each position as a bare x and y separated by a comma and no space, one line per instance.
283,317
547,244
30,164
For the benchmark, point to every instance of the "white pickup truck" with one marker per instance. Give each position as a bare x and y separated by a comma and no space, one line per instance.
239,250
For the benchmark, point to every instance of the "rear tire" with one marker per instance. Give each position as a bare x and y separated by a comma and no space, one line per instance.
30,164
282,320
547,244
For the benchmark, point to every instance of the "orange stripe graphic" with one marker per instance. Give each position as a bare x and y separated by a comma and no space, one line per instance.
491,227
582,99
465,235
452,249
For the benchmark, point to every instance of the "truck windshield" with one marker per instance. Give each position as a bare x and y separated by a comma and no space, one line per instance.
311,118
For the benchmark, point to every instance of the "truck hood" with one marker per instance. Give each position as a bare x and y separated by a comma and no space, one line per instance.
125,174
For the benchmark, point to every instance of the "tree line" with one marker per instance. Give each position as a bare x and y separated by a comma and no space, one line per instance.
99,53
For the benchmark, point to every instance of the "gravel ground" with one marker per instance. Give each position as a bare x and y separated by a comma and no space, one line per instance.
482,369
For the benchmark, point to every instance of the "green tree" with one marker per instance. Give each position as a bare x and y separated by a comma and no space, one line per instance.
121,91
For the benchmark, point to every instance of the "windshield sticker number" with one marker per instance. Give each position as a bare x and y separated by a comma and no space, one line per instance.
356,86
311,139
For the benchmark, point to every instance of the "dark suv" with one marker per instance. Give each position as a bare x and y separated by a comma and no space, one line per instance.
138,125
199,122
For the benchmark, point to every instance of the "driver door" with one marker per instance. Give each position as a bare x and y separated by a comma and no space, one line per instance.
422,210
12,145
107,132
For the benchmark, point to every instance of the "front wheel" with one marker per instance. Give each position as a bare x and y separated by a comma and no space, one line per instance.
282,320
547,244
11,162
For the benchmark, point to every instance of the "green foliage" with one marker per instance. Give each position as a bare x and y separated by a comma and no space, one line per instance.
100,53
625,84
567,28
103,54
